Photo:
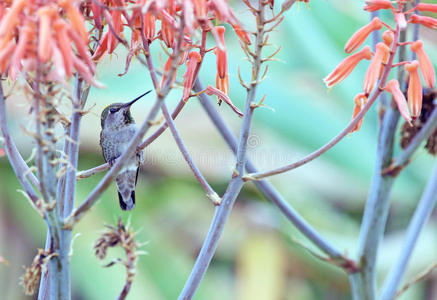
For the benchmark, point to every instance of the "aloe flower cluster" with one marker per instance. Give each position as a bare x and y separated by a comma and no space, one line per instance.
144,16
41,32
55,36
409,108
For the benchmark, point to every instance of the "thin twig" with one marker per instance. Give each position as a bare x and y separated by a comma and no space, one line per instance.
16,160
310,157
222,212
420,217
264,186
210,193
419,277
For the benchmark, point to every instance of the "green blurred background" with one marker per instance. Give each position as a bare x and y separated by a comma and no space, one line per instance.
260,255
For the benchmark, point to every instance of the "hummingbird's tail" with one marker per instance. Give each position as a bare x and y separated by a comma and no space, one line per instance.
126,189
130,204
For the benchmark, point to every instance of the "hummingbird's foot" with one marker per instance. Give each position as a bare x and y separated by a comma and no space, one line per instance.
111,162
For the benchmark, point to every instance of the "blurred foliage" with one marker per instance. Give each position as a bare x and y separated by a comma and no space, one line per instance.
260,255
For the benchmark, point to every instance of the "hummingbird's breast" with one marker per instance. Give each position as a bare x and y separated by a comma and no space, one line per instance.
115,142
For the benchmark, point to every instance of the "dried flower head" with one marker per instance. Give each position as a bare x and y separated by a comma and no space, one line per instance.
122,236
32,274
408,132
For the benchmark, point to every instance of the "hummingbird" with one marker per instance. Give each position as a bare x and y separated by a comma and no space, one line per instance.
118,128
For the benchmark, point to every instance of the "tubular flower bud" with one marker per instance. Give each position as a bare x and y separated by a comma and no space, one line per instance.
242,35
200,9
393,88
414,89
361,35
374,5
149,26
26,34
360,100
45,15
5,55
118,28
426,66
101,49
76,18
64,46
387,38
347,66
194,59
97,14
167,31
166,70
221,54
11,19
423,20
427,7
373,71
222,84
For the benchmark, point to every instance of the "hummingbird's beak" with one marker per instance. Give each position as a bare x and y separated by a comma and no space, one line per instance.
135,100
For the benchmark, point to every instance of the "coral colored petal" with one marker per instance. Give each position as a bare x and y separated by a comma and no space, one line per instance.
372,74
414,89
358,38
393,88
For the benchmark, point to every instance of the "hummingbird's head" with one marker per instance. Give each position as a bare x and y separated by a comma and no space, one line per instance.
118,114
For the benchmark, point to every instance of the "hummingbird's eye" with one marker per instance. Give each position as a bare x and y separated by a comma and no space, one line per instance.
113,110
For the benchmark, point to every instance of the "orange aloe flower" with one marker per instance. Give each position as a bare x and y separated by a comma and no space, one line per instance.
64,46
222,84
26,34
427,7
373,71
5,55
242,35
46,15
361,35
167,32
393,88
347,66
222,78
374,5
423,20
101,49
97,14
11,18
360,100
76,18
166,70
115,18
388,37
414,89
426,66
200,10
194,59
149,26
